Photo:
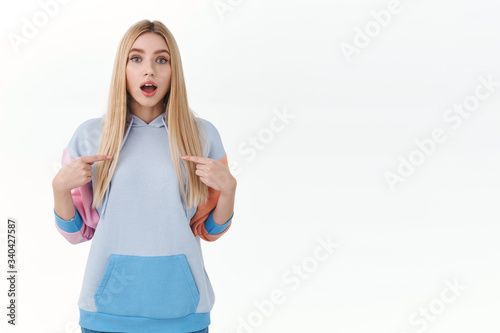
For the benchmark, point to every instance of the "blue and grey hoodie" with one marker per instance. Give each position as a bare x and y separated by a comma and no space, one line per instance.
145,269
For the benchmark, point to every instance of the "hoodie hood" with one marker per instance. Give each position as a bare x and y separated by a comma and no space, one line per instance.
138,122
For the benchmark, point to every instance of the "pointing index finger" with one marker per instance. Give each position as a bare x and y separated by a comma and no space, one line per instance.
196,159
95,158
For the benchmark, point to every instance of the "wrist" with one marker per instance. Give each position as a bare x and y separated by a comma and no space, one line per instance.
230,188
58,188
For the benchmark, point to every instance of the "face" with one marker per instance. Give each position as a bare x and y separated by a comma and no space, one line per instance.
148,60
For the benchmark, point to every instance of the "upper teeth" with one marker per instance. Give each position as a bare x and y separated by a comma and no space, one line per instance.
148,84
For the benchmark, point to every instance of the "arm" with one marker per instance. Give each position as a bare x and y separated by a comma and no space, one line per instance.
70,225
213,219
74,217
203,223
218,219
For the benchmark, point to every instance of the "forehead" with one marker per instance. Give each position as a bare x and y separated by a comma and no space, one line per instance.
150,41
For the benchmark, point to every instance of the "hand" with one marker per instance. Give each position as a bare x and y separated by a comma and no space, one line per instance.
213,173
76,173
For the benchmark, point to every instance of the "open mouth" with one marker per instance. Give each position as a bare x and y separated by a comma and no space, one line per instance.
148,87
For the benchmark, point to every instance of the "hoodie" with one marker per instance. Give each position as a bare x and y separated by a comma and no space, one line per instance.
145,269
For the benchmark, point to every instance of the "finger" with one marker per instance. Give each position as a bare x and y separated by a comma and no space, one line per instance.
88,173
95,158
196,159
202,167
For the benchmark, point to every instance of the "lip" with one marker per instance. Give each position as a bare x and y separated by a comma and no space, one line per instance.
151,93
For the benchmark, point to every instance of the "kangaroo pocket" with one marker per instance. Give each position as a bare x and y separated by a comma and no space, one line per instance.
160,287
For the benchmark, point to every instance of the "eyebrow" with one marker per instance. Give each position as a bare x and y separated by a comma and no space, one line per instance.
142,51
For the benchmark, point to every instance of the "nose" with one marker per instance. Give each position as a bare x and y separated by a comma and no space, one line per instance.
148,69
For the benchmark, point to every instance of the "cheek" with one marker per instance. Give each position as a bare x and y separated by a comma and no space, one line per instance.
166,78
130,75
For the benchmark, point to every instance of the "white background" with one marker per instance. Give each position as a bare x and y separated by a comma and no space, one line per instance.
319,176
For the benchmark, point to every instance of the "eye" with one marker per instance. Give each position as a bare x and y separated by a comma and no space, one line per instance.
133,58
166,60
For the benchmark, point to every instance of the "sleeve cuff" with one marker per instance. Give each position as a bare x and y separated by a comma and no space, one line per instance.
214,228
73,225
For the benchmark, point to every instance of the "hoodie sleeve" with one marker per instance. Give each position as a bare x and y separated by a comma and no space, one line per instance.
82,226
202,223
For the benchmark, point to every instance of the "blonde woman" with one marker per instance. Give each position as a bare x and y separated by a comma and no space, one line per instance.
145,182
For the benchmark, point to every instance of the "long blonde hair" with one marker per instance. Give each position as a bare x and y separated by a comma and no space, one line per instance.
184,134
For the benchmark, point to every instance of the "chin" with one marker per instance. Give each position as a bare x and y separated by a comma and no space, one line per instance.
150,104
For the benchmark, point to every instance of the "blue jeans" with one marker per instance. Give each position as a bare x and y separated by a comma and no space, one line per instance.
84,330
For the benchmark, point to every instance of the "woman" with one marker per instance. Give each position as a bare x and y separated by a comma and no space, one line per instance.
145,182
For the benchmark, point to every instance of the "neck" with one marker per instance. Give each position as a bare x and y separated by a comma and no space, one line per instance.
146,113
